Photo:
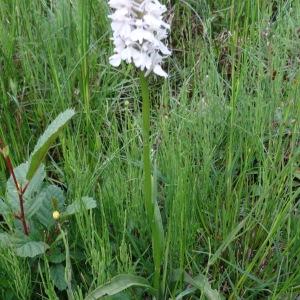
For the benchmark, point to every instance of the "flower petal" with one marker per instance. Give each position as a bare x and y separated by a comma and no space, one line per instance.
115,60
159,71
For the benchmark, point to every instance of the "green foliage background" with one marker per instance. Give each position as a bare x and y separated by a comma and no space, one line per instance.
225,130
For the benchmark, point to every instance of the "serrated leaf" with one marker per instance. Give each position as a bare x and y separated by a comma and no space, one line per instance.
35,205
52,198
57,273
13,239
31,249
32,190
36,181
200,282
84,204
6,240
56,256
77,255
4,208
119,284
46,140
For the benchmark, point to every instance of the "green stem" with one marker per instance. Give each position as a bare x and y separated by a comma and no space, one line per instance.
68,269
147,176
85,19
146,147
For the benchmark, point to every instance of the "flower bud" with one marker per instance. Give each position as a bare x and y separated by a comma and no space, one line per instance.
56,215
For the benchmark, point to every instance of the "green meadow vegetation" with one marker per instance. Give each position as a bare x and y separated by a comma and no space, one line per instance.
225,154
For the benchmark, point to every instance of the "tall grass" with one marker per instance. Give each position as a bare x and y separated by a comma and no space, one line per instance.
225,130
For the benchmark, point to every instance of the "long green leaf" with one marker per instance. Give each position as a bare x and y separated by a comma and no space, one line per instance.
46,140
200,282
119,284
85,203
31,249
232,235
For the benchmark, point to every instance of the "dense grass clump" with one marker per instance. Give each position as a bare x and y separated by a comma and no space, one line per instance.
225,135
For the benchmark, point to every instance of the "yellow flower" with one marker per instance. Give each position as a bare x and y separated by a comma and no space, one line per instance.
56,215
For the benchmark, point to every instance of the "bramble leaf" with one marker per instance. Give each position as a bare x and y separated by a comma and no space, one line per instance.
46,140
31,249
23,246
199,282
51,198
4,208
6,240
84,204
57,273
56,256
32,190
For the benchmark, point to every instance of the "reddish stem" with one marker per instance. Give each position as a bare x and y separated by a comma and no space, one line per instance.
25,187
12,173
17,216
21,192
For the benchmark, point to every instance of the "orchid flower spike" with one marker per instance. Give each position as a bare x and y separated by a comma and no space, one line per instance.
138,34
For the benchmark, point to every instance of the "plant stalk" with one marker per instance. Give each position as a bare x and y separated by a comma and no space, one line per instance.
146,148
20,194
85,20
20,191
147,177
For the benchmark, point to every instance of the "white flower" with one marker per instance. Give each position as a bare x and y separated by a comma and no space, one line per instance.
138,34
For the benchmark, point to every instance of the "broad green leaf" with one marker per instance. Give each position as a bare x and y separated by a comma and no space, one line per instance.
56,256
36,182
35,204
12,240
51,198
84,204
31,249
46,140
119,284
4,208
32,190
6,240
57,273
200,282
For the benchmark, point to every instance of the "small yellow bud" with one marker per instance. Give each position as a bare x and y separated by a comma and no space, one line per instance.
5,151
126,103
56,215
